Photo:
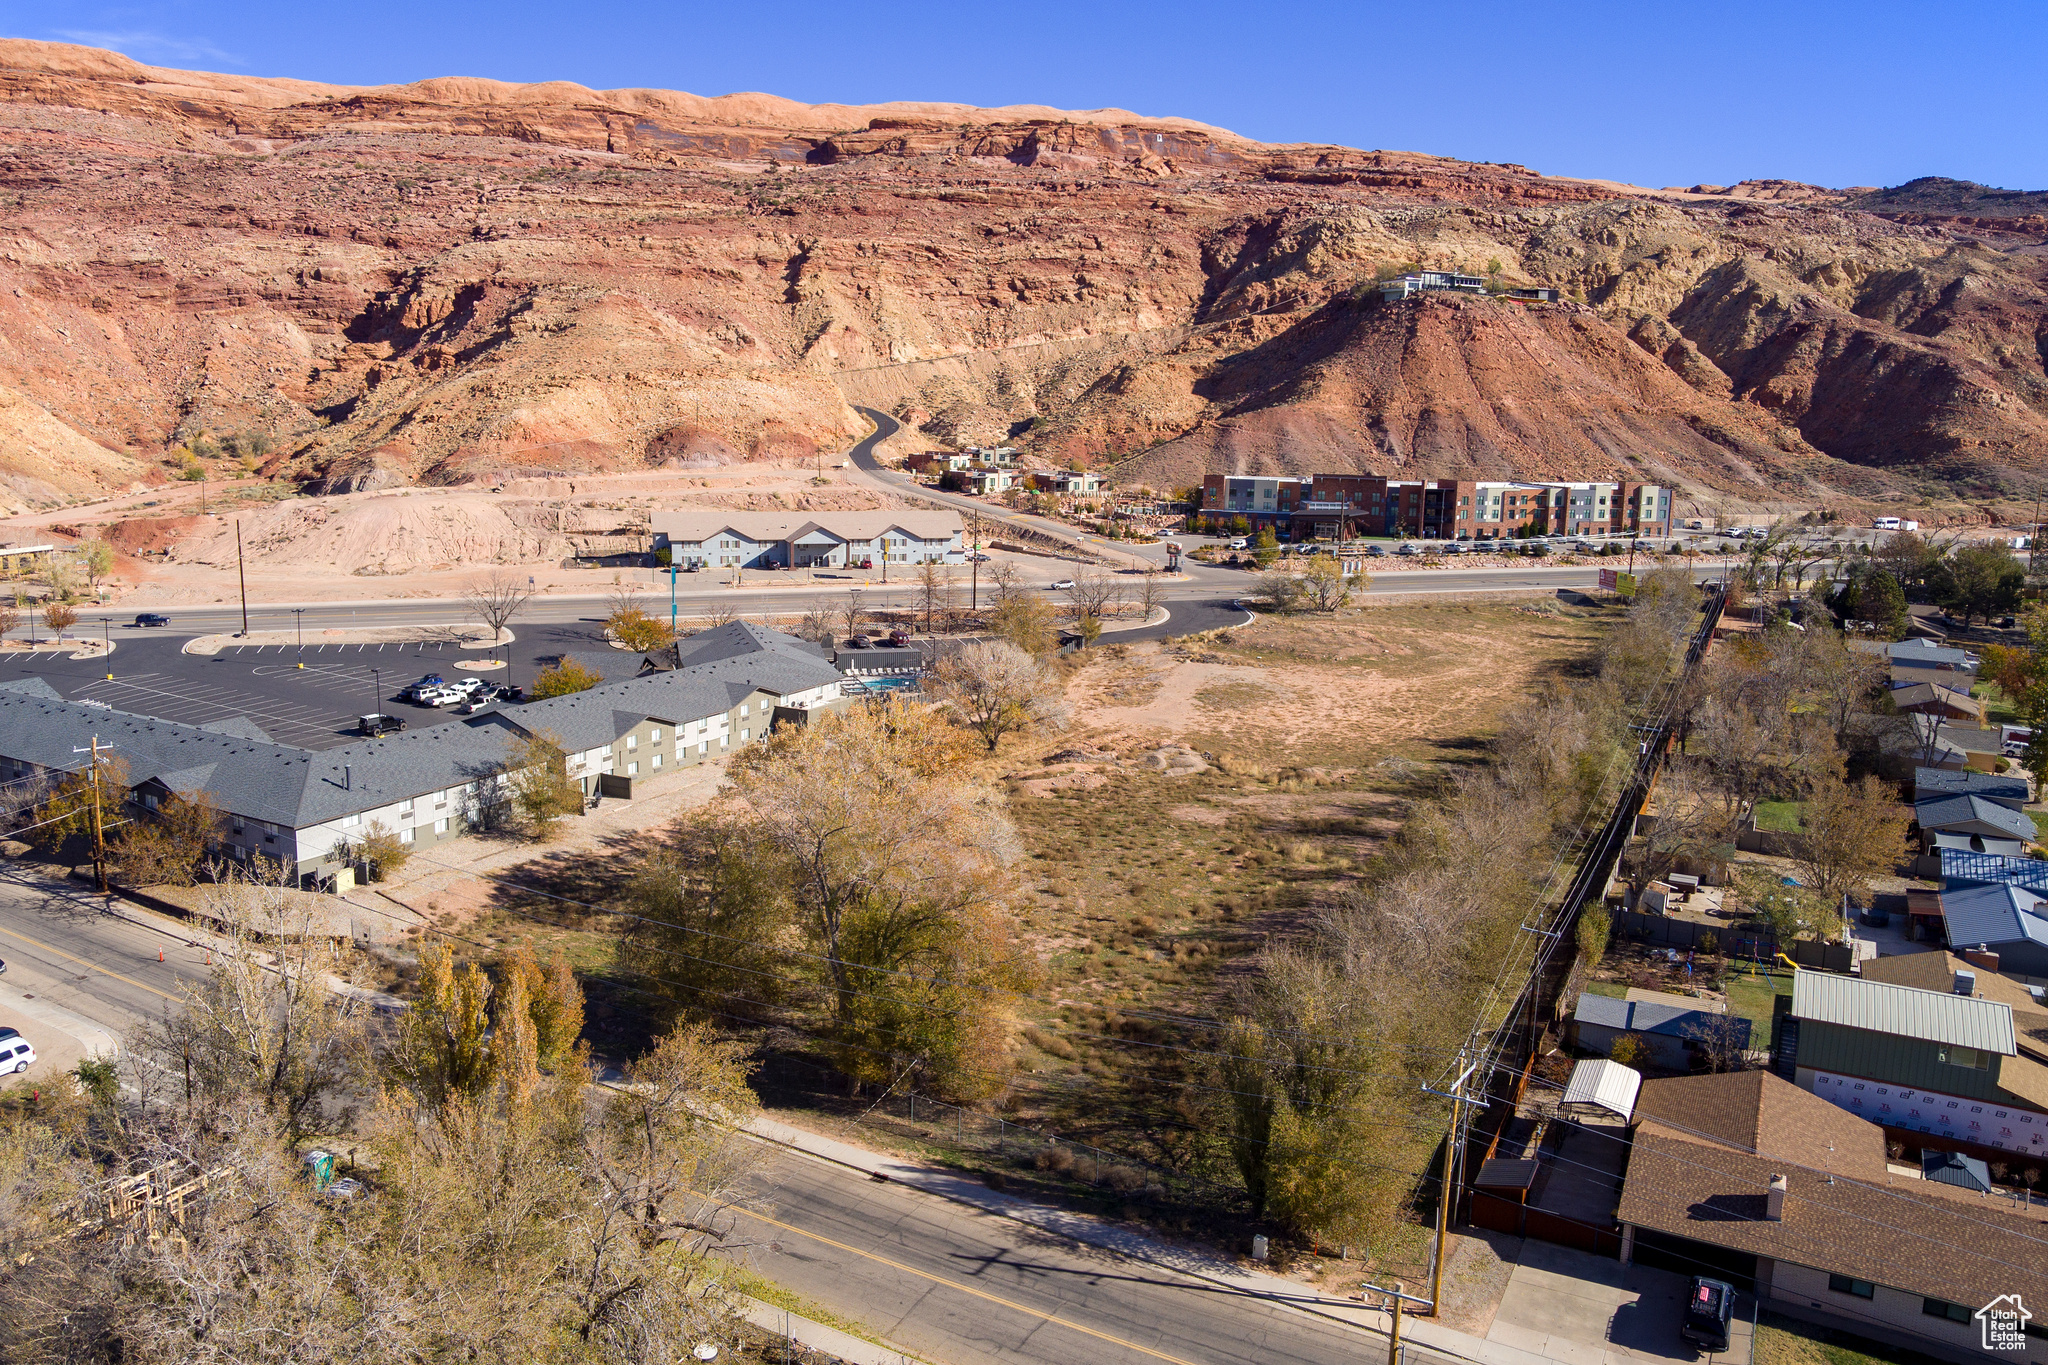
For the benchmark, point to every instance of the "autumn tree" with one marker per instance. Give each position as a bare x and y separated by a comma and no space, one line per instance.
997,689
879,848
443,1050
542,791
72,801
561,678
59,616
1325,587
631,626
170,845
1024,620
95,561
1849,833
379,849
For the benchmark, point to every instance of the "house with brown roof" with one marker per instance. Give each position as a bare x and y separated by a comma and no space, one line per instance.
1746,1177
1935,699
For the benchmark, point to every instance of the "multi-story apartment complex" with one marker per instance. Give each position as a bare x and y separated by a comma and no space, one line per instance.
1341,506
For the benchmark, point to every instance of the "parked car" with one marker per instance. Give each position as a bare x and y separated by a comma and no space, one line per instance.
511,693
977,558
151,618
1376,549
899,639
1708,1309
471,687
1060,585
1408,547
375,725
1240,543
437,696
16,1055
859,642
473,705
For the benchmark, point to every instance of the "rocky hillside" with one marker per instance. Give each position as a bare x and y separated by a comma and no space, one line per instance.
461,281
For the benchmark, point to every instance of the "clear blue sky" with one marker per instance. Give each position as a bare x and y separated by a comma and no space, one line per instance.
1836,92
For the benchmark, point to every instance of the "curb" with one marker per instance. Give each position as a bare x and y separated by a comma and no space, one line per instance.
817,1336
1083,1229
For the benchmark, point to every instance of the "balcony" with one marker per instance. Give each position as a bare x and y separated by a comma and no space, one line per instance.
1330,507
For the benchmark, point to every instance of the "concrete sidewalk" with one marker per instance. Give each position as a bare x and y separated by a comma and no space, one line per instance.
817,1336
1197,1262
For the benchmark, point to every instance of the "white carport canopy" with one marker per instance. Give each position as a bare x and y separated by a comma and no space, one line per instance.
1604,1085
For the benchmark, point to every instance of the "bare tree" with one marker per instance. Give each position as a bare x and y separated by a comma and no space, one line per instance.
997,689
1095,595
494,600
934,593
1151,591
816,625
1849,833
853,611
10,615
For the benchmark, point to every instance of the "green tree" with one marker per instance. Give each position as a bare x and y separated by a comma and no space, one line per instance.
542,790
1024,619
1266,548
443,1051
379,848
95,561
1874,596
562,678
1987,581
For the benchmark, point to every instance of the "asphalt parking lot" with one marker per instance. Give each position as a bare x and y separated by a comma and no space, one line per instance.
314,707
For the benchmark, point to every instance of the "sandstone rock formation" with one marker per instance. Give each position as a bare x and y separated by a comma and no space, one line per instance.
464,282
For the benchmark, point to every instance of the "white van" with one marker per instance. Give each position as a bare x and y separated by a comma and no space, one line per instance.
1885,524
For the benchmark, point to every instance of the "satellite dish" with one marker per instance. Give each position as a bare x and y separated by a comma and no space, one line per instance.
705,1351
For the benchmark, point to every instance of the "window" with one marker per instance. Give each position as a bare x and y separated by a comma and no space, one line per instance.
632,770
632,742
654,735
405,835
441,825
657,760
1968,1057
1861,1289
703,748
743,708
1939,1308
743,736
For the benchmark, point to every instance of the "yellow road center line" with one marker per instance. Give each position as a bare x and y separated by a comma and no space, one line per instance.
978,1293
83,963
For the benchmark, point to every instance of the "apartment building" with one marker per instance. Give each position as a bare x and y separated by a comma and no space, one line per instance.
715,538
301,807
1342,506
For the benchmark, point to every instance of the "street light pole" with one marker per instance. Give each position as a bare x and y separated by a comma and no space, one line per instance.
376,691
107,642
299,613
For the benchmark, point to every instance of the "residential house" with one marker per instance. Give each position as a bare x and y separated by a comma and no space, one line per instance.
2006,790
2007,924
302,808
1932,699
715,538
1073,482
1925,653
1948,1064
1672,1029
1782,1193
1432,282
1976,823
938,461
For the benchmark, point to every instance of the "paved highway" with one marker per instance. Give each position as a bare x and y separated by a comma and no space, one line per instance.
965,1287
62,947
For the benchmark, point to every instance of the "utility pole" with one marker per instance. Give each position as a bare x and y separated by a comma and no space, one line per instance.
99,832
1447,1188
1394,1336
974,568
107,644
242,573
299,614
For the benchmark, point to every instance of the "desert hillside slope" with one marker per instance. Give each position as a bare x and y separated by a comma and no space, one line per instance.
461,280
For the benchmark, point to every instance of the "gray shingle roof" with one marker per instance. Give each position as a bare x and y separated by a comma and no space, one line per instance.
1927,652
1992,915
1649,1016
1932,783
264,780
1881,1007
1946,812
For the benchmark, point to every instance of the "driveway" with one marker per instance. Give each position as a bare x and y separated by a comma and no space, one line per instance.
1582,1309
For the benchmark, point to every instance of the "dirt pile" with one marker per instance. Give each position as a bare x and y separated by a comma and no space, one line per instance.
465,284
